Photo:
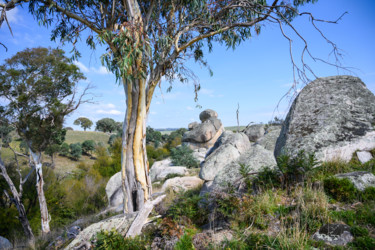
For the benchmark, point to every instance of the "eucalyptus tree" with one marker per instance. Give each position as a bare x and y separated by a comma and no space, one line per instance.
40,89
146,40
84,122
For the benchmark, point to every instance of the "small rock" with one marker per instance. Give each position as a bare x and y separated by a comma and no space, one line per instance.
206,114
360,179
364,156
161,169
254,132
73,232
182,183
334,234
5,243
268,141
113,190
200,154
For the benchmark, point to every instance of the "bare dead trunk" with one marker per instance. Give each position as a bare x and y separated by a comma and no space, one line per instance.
134,164
20,207
45,217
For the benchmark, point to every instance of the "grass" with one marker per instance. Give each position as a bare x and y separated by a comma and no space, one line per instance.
81,136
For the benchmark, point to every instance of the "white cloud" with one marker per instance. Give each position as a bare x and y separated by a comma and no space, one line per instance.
101,70
109,112
189,108
81,66
153,113
205,91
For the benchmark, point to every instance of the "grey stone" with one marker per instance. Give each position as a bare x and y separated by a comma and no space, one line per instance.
161,169
113,190
332,117
205,134
255,159
200,154
5,243
254,132
268,141
73,232
360,179
206,114
182,183
120,222
364,156
334,234
227,149
192,125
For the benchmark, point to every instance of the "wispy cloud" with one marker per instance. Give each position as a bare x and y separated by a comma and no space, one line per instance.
109,112
189,108
13,16
101,70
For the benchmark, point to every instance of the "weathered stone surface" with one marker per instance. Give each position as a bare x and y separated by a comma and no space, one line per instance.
205,134
120,222
161,169
227,149
256,158
206,114
331,116
192,125
364,156
73,231
268,141
200,154
334,234
182,183
5,243
360,179
254,132
113,190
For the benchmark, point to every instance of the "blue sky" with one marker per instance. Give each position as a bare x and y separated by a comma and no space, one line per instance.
255,76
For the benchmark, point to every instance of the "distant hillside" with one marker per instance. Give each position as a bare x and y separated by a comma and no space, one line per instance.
81,136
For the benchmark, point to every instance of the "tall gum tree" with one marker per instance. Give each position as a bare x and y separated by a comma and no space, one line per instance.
40,89
150,39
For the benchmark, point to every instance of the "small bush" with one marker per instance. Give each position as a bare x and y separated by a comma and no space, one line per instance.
185,242
340,189
76,150
368,194
88,146
113,240
183,156
365,242
64,149
358,231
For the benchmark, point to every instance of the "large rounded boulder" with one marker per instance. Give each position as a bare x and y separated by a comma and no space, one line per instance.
205,134
332,117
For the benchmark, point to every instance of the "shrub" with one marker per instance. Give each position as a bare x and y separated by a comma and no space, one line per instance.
113,240
185,242
368,194
88,146
340,189
365,242
156,154
183,156
76,150
358,231
64,149
105,164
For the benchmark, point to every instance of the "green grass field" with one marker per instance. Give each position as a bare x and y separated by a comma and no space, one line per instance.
81,136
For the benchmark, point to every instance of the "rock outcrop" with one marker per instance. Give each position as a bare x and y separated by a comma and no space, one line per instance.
268,140
332,117
360,179
364,156
113,190
205,134
254,159
161,169
120,222
5,243
228,148
255,132
182,183
334,234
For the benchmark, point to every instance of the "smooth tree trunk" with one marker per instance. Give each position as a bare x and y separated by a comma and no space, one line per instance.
45,217
136,182
20,207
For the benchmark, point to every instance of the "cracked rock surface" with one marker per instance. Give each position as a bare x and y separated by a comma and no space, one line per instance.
333,117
